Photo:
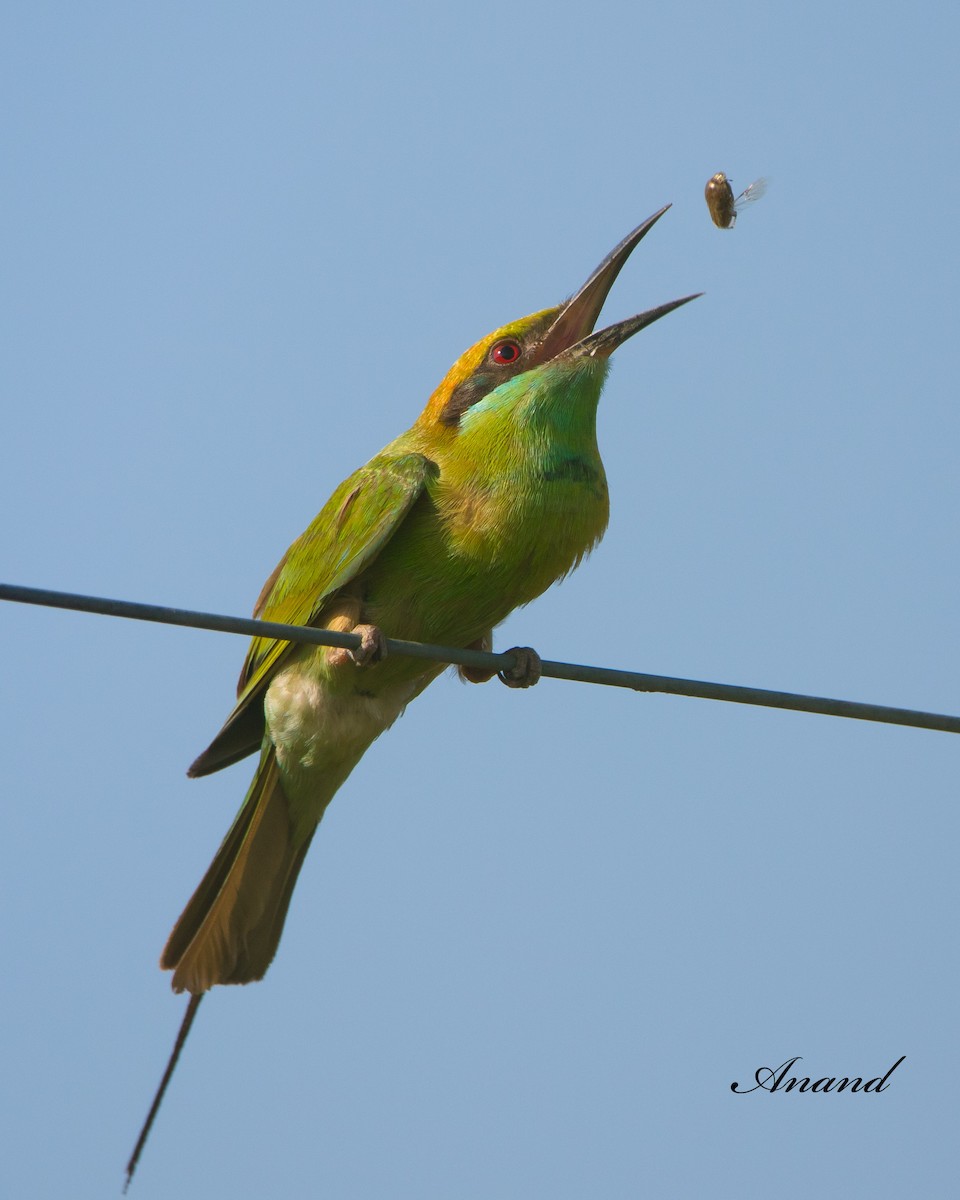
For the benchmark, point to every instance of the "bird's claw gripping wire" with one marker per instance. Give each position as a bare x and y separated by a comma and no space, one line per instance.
526,670
373,645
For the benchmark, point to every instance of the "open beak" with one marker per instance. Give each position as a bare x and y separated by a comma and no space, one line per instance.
572,330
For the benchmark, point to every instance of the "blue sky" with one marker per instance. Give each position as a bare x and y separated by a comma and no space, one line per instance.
539,934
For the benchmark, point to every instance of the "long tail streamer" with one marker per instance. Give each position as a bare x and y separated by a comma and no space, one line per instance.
158,1098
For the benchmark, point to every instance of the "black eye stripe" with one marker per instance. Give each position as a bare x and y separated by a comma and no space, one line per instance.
466,394
494,369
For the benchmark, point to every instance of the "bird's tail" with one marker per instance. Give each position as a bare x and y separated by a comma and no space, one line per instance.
230,929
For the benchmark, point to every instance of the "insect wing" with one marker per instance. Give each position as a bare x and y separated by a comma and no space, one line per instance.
753,192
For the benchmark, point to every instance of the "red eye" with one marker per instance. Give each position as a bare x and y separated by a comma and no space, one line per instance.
505,353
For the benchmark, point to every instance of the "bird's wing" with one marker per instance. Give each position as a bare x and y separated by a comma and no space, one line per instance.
344,538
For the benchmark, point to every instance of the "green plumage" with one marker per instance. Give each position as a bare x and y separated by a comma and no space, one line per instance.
495,492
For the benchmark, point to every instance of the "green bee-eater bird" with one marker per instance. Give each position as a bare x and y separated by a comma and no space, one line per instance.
494,493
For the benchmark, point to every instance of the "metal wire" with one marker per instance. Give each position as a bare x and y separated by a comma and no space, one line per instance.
635,680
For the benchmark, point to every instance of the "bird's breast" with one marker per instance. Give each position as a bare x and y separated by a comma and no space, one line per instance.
536,524
481,542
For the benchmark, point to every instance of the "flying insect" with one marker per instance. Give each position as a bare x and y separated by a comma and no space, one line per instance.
721,202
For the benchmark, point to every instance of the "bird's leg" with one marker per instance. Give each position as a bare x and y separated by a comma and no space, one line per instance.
478,674
525,672
345,618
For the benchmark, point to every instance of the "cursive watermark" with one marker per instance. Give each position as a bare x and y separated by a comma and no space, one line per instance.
770,1079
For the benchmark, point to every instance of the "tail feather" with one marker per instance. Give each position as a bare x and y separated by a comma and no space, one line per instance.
230,929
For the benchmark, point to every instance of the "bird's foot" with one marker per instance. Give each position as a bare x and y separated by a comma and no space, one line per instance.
478,674
526,670
372,648
373,645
